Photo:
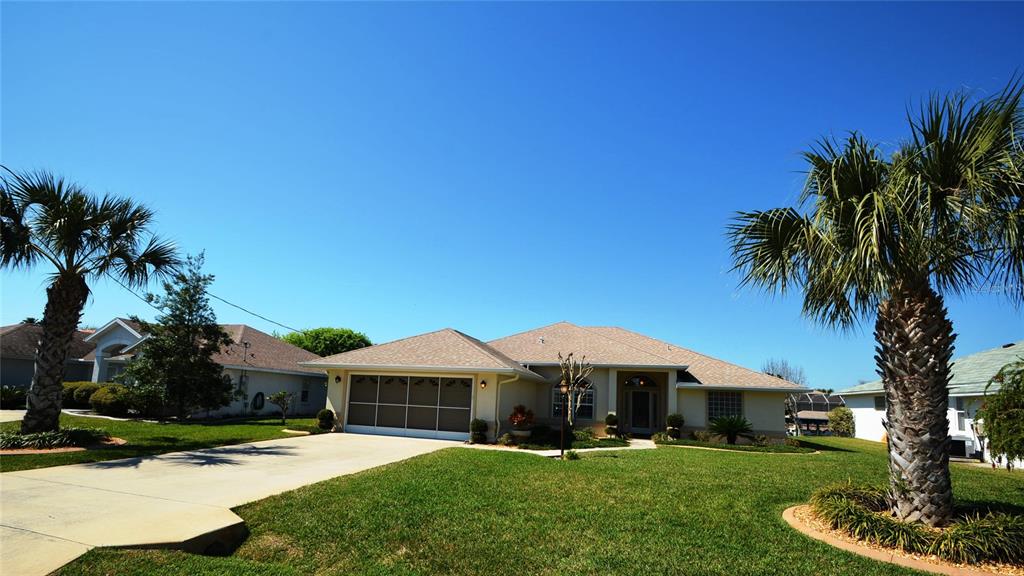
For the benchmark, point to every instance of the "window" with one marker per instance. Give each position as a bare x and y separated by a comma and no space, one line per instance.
880,403
724,404
586,405
961,414
304,397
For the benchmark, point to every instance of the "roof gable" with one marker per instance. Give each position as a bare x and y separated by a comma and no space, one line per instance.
21,340
542,346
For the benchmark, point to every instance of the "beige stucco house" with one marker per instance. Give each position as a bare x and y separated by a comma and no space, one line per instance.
433,384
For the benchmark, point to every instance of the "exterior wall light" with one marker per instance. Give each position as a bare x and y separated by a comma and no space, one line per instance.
337,379
483,384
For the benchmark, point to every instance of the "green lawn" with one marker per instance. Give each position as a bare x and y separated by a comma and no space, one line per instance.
459,511
145,438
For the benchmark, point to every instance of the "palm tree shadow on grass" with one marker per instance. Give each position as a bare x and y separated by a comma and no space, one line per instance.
822,447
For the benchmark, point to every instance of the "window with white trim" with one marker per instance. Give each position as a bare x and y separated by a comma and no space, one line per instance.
586,405
722,404
880,403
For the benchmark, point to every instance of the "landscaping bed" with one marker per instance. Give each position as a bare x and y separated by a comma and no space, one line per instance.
148,438
496,512
773,448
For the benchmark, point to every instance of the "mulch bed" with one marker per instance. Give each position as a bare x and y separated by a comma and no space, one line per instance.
110,442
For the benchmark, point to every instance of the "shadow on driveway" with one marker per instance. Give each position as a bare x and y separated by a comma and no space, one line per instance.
223,456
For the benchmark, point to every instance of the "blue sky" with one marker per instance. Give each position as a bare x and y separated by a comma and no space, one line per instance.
398,168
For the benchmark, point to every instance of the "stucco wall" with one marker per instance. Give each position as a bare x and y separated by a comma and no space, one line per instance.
18,371
269,383
766,412
867,421
693,407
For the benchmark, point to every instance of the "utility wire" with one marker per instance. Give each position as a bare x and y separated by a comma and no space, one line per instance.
211,295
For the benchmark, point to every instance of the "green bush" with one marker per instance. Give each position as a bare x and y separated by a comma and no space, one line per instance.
478,431
611,431
325,419
732,427
146,400
611,419
68,399
507,439
794,442
110,400
993,537
662,438
572,455
862,512
674,420
55,439
702,436
84,392
12,397
583,434
840,421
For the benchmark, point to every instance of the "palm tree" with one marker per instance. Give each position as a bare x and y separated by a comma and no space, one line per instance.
887,237
44,217
732,427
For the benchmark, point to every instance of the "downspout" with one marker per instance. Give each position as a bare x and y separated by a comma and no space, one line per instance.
497,403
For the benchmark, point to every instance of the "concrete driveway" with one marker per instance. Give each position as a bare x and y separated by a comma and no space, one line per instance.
50,516
12,415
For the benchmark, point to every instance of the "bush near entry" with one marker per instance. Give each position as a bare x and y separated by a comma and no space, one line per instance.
110,400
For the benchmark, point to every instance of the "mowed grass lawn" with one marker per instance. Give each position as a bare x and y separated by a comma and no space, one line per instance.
147,438
458,511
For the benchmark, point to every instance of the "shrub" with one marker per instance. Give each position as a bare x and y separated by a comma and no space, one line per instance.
869,497
55,439
840,421
611,431
110,400
583,434
702,436
674,421
84,392
760,440
794,442
521,418
611,419
1003,413
145,400
662,438
507,439
572,455
994,537
12,397
478,431
731,427
325,419
842,508
68,399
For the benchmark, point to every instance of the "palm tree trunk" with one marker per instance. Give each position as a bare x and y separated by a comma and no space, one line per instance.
914,346
65,299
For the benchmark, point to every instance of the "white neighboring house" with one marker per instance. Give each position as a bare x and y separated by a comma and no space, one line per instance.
967,388
257,363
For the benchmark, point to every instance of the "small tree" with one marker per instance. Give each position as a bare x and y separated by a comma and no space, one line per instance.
283,400
576,377
840,421
176,360
327,341
1003,414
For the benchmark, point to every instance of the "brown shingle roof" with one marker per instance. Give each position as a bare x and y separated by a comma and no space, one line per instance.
443,349
265,352
613,346
20,341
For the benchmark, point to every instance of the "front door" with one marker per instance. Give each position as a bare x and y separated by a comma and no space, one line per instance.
641,411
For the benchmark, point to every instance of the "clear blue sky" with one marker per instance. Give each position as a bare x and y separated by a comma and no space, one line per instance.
397,168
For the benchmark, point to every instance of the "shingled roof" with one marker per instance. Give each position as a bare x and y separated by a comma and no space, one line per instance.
265,352
442,350
19,341
612,346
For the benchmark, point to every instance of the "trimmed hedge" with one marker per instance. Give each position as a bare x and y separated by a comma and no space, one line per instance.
325,419
56,439
110,400
84,392
862,512
12,397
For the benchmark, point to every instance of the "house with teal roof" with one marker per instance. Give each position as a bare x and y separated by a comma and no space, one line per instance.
967,389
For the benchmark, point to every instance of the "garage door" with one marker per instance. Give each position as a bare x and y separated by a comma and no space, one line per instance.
422,406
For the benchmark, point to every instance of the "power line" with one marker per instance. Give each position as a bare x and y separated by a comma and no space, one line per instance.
211,295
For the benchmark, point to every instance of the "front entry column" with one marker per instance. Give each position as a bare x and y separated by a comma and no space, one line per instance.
99,367
613,391
672,393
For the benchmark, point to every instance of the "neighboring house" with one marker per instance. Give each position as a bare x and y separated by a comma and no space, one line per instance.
812,410
967,389
18,344
257,363
433,384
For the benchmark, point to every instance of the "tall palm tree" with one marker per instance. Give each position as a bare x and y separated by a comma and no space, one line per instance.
888,236
45,218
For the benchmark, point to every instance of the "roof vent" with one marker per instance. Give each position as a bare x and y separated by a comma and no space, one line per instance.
1008,345
541,339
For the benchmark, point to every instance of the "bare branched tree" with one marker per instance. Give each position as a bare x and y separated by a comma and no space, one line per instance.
576,377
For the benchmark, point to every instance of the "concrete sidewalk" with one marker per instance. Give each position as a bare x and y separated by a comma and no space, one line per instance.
50,516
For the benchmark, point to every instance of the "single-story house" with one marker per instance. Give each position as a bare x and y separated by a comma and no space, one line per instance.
967,389
18,355
433,384
257,363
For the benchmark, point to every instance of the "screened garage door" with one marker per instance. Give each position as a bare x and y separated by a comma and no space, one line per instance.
422,406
